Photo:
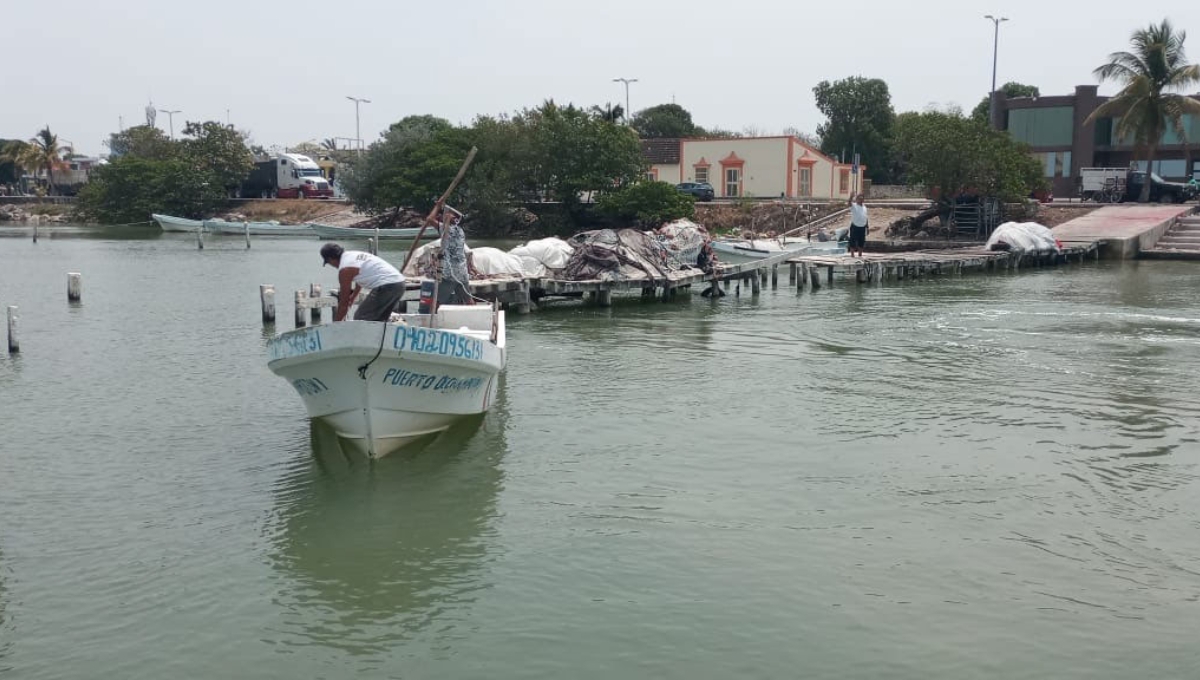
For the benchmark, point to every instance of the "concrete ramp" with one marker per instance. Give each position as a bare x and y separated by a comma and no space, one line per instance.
1125,229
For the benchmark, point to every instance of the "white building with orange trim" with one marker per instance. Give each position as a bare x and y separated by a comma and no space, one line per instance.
754,167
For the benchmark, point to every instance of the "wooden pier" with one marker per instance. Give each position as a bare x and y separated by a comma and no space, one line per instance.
804,272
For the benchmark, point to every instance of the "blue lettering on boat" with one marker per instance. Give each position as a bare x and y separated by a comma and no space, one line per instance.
426,382
429,341
296,343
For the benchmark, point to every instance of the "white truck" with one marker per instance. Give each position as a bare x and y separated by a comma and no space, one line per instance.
1106,185
286,175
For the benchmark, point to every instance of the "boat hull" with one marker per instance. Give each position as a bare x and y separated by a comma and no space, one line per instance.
326,231
179,224
742,252
421,382
257,228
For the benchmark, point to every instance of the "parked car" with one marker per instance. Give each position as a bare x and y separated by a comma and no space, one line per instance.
703,191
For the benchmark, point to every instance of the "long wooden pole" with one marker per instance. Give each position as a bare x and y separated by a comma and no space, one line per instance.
437,207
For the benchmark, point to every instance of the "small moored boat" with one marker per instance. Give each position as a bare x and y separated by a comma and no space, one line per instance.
741,252
219,226
384,385
327,231
169,223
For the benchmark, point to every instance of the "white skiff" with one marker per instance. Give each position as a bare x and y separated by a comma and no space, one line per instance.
169,223
384,385
257,228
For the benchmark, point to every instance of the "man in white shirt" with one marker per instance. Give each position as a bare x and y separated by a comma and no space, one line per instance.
858,225
358,270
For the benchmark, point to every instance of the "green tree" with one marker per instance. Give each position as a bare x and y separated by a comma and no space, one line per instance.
130,188
665,120
406,168
1146,104
1010,90
952,154
13,153
649,204
142,141
44,153
859,118
218,150
565,152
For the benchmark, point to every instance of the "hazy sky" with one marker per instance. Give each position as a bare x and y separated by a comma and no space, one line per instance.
283,69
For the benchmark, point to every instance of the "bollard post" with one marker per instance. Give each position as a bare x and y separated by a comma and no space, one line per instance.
74,286
314,294
14,345
266,295
246,228
200,237
300,320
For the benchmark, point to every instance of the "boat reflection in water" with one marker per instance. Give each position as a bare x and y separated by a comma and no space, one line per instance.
373,553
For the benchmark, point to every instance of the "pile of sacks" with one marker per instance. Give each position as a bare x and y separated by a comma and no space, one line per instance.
536,259
1024,237
602,254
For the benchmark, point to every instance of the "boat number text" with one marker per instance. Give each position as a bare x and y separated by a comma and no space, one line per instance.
295,344
429,341
310,386
425,381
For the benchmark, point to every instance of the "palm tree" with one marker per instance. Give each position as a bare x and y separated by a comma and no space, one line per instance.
1146,104
43,152
329,144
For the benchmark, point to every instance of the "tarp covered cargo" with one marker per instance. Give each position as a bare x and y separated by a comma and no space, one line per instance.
1022,237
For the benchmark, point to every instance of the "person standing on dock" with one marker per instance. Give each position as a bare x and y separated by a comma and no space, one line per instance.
859,226
358,270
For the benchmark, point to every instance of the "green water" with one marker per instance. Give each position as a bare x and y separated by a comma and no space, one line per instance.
986,476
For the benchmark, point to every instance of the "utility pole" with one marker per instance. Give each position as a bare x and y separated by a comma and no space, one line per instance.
357,128
171,119
996,21
627,82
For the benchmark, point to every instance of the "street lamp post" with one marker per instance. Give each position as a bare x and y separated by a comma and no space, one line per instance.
627,81
996,21
357,128
171,119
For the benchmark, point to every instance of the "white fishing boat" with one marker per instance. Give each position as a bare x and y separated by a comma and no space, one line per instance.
220,226
169,223
381,385
743,251
327,231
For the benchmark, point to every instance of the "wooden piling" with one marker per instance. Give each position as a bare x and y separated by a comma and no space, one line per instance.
314,293
375,242
815,272
774,276
266,295
37,220
604,298
14,344
74,286
791,273
756,283
300,299
200,237
246,229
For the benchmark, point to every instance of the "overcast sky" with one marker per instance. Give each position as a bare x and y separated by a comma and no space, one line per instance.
283,69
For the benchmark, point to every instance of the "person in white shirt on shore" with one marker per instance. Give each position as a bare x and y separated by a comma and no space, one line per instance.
859,226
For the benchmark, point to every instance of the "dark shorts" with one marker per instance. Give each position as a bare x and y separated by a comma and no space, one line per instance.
453,293
380,303
858,237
